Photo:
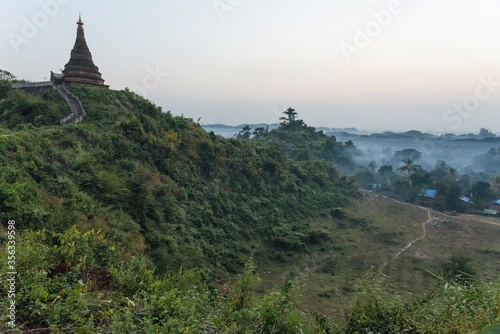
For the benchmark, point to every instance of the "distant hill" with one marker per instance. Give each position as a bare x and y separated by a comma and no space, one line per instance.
229,131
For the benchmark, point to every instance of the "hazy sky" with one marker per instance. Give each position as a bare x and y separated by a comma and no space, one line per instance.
374,65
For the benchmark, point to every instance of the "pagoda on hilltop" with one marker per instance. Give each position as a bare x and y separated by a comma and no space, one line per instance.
80,69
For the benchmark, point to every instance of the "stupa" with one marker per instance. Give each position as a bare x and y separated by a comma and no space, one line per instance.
80,69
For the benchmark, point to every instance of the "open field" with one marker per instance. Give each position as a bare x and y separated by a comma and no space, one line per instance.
399,241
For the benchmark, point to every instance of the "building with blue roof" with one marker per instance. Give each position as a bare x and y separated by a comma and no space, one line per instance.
465,199
495,205
430,193
427,196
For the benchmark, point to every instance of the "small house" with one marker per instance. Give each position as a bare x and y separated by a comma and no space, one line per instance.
465,199
426,197
495,205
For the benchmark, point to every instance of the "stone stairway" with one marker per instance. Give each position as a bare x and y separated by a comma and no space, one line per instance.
75,105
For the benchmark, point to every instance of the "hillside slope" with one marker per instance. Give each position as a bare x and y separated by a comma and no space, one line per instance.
129,222
156,181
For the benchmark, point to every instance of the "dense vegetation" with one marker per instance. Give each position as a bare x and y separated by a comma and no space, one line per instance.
79,283
126,222
404,164
137,172
401,176
301,142
153,184
409,180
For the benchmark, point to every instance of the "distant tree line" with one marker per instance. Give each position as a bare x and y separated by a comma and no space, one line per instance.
302,142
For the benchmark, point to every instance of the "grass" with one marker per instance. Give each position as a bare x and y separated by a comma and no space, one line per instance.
374,230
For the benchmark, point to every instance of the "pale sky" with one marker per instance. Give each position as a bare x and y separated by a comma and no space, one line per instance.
374,65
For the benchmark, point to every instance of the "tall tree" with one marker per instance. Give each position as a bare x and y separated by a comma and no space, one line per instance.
245,132
6,75
386,171
448,196
441,170
481,193
6,79
409,166
260,132
291,116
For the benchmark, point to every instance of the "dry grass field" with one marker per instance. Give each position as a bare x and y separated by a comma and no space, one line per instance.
402,243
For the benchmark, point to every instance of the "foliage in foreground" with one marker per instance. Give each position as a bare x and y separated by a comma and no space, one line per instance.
448,308
77,282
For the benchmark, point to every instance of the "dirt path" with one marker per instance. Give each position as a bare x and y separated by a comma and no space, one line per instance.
471,218
424,234
430,214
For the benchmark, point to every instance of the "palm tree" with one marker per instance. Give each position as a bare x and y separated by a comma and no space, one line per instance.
409,166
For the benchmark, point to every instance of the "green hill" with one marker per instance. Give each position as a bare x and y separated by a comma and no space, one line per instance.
154,180
301,142
134,182
138,221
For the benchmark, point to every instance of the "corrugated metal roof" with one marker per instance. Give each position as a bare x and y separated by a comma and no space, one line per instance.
490,212
429,193
496,202
465,199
